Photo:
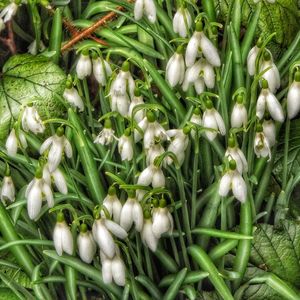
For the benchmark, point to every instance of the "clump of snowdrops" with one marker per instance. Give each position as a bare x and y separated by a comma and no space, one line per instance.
168,139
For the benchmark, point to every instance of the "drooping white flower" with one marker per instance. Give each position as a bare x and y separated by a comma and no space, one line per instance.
57,144
62,236
152,175
13,142
162,219
175,69
8,12
261,145
32,48
86,244
182,22
213,121
112,204
267,100
199,42
272,75
251,60
235,153
106,135
146,7
201,75
125,146
84,65
137,100
101,70
72,96
233,180
132,213
179,143
293,97
147,235
57,178
31,121
102,233
38,190
195,119
239,115
154,151
269,130
8,190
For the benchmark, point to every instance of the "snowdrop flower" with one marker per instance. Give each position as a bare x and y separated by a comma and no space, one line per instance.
31,120
235,153
146,7
272,75
125,146
152,175
8,12
137,100
199,41
293,97
182,22
147,235
268,100
113,269
201,75
112,204
32,48
102,233
8,190
153,131
86,244
101,70
162,219
72,96
179,143
132,213
57,178
239,115
262,146
57,144
2,25
212,120
195,119
154,151
232,180
62,236
251,59
36,191
175,68
84,65
13,142
106,135
269,130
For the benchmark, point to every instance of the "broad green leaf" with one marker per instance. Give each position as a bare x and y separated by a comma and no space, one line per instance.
28,78
7,294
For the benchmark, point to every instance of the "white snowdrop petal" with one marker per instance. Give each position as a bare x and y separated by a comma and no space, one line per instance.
160,224
293,100
251,60
261,106
11,144
192,49
126,218
145,177
210,51
209,76
46,144
137,216
118,271
148,237
106,271
274,108
60,182
34,201
150,10
104,239
138,9
116,229
67,240
239,188
86,247
57,239
220,122
158,179
48,194
225,185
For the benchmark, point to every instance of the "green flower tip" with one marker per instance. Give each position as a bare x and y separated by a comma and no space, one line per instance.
131,193
127,132
112,191
267,56
60,131
180,49
232,164
147,214
199,26
259,43
60,217
150,116
137,92
94,55
39,173
197,111
186,130
69,84
231,142
264,84
259,127
209,104
297,76
107,124
83,228
162,203
125,66
85,52
155,203
7,170
240,99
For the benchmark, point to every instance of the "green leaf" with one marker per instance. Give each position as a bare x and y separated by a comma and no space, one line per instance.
7,294
28,78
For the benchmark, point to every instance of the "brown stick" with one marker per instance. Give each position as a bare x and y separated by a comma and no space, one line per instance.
9,42
88,31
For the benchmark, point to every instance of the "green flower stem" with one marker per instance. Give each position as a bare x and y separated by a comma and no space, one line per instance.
90,169
209,9
38,287
286,153
26,242
126,292
221,234
206,163
88,104
36,21
150,286
206,264
236,16
221,249
172,291
244,246
56,35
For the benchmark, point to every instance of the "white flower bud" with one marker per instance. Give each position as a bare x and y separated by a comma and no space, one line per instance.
239,116
13,142
113,205
101,70
175,69
72,96
147,235
162,220
139,115
31,120
269,130
238,156
251,60
57,178
178,145
62,237
84,66
146,7
182,22
152,175
262,146
8,12
118,270
125,147
8,191
293,97
272,75
86,245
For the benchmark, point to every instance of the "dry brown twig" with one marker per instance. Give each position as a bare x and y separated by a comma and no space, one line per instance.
9,41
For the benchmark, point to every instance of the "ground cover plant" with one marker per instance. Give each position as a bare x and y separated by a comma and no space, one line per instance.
149,149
